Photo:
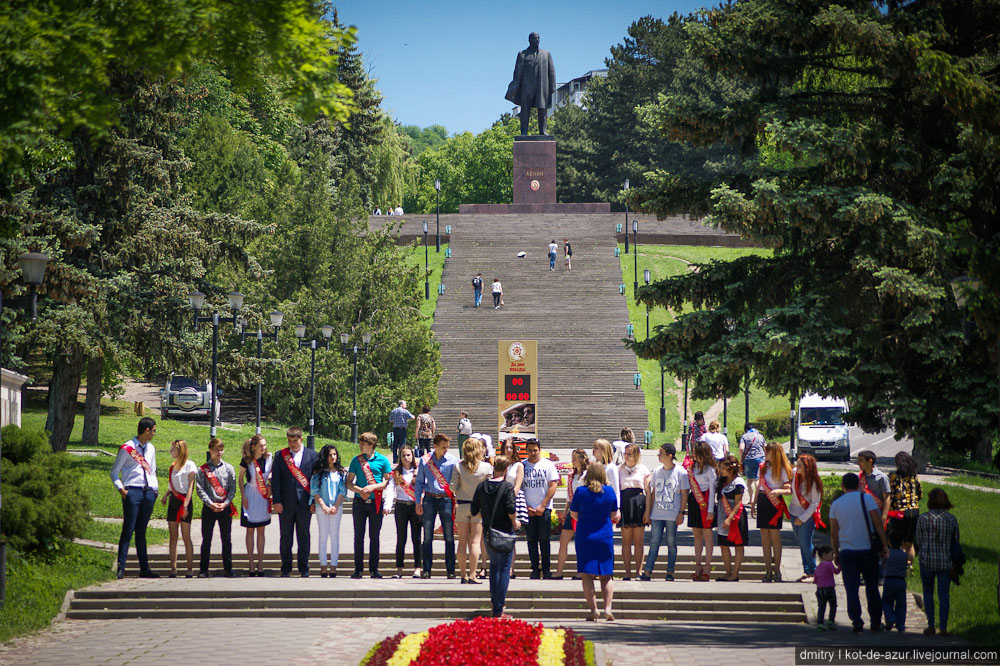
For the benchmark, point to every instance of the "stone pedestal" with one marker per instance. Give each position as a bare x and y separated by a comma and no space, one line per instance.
534,170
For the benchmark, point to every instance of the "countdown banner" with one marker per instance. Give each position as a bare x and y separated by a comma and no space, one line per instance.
517,388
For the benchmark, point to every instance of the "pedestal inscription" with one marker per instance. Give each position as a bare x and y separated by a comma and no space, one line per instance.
534,170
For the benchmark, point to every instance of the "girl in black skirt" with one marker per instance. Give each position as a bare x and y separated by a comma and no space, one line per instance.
632,479
730,516
770,508
701,476
180,480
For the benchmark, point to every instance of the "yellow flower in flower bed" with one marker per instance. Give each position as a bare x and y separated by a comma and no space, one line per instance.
408,650
550,648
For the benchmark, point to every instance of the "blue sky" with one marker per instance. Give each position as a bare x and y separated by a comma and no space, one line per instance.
449,62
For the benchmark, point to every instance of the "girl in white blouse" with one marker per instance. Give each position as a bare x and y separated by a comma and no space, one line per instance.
632,479
181,488
577,478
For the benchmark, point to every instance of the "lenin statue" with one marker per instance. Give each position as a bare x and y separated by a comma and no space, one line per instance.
533,84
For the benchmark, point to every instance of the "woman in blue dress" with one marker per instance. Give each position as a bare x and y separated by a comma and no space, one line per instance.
594,507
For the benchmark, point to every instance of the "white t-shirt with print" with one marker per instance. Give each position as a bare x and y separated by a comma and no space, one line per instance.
536,481
667,487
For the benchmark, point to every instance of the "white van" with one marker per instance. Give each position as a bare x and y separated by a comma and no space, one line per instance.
821,427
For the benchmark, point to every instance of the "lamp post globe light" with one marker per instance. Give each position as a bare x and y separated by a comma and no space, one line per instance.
276,318
625,187
437,232
365,338
197,301
33,272
427,276
635,256
311,345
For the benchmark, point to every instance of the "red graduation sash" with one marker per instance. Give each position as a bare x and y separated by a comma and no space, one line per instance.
261,487
699,496
817,519
136,457
181,512
370,478
217,487
286,454
444,484
864,481
776,500
569,498
727,507
406,486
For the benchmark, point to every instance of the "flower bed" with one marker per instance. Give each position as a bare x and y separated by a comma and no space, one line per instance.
483,641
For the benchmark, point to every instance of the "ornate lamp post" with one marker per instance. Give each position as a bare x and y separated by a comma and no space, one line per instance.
300,333
276,319
33,271
365,338
437,231
197,301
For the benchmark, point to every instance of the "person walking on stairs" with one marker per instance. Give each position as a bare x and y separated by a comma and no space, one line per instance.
372,469
477,289
553,249
497,293
568,254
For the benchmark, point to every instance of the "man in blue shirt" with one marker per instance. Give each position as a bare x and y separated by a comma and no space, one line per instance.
371,469
434,497
399,418
134,476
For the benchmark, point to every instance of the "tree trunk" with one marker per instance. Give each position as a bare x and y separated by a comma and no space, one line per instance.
92,409
983,453
921,454
63,389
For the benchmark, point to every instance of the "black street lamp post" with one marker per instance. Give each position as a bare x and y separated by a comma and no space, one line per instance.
437,231
645,275
33,270
427,275
276,319
197,301
684,427
663,409
300,333
365,338
635,257
626,216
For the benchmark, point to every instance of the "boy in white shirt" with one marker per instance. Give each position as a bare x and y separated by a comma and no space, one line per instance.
666,497
540,481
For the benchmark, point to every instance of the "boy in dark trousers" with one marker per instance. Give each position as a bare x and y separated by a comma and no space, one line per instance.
894,584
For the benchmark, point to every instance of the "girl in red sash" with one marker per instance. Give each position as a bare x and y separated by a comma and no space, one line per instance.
804,503
400,500
255,480
769,506
701,476
181,485
577,478
730,517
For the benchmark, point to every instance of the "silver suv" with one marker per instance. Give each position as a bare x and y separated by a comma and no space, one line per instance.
187,397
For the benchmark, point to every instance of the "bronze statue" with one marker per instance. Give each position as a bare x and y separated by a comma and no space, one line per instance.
533,84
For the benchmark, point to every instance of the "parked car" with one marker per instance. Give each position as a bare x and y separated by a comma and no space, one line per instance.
822,430
187,397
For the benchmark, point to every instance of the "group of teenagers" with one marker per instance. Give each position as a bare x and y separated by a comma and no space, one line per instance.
483,490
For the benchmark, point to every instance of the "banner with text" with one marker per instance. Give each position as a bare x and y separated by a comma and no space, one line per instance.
517,389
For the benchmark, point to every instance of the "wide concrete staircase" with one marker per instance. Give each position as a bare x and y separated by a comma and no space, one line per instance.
585,374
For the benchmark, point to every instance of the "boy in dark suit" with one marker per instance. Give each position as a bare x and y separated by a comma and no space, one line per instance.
292,471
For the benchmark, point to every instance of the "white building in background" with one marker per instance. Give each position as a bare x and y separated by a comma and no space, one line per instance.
570,92
10,397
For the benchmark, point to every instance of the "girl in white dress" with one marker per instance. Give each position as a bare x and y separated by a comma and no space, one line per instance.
255,481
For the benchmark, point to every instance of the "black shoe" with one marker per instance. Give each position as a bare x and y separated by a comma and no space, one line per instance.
121,574
229,574
876,628
452,576
425,575
473,581
148,574
304,574
465,581
888,626
858,628
547,576
286,574
203,574
356,575
535,575
376,574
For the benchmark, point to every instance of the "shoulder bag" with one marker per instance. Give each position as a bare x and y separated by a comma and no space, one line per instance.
498,540
875,540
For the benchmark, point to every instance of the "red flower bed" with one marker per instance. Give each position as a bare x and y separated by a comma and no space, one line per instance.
575,648
482,641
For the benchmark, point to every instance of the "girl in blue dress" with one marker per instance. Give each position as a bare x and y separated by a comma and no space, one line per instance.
594,507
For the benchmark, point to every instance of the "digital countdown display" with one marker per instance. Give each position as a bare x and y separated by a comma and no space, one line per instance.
517,388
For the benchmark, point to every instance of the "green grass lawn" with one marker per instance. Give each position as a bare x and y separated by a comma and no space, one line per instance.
973,603
435,263
97,530
36,586
118,425
971,480
666,261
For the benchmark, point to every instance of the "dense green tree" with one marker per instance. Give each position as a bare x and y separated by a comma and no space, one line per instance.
424,138
863,132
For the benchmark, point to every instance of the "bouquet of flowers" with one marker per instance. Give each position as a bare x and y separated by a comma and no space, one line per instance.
483,641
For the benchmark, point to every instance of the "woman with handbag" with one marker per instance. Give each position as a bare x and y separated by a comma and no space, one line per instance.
494,500
937,543
515,477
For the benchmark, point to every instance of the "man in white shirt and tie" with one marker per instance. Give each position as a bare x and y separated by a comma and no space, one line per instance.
134,476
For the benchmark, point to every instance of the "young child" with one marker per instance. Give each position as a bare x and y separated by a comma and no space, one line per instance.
826,592
894,586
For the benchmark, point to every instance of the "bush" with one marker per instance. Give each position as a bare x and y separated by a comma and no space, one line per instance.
831,491
21,444
774,425
43,502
